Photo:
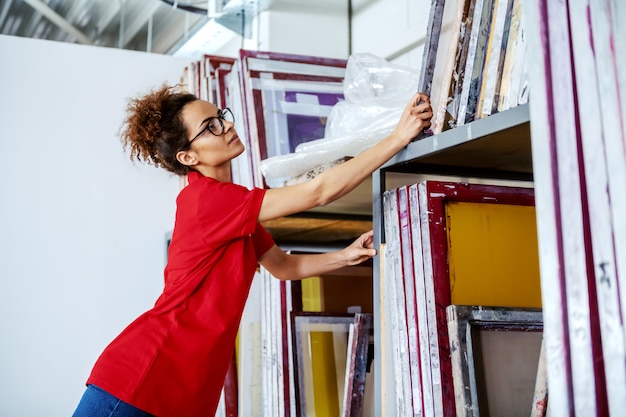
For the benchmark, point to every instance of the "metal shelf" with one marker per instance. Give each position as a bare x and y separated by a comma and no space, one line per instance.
494,147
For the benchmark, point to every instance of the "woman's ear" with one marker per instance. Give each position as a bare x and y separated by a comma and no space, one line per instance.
186,158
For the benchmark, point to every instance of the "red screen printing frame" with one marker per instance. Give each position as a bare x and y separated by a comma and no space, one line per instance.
256,65
433,197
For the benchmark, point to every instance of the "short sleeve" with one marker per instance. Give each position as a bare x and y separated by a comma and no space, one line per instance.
227,211
262,240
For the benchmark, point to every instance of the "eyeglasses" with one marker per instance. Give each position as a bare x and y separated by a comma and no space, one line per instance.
214,125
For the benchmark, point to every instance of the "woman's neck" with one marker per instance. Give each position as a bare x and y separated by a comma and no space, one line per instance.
221,173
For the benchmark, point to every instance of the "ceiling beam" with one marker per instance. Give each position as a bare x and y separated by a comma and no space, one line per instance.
106,17
5,10
171,33
143,17
58,20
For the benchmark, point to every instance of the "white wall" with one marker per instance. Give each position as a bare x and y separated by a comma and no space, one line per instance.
82,229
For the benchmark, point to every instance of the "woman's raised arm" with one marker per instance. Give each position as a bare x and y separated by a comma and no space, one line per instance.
340,180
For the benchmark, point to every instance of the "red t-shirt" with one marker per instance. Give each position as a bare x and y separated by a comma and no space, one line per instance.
172,360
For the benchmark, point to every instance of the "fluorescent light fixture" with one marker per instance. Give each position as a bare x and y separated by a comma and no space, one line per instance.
207,40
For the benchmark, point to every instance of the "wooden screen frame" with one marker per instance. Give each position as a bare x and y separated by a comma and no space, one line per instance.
462,320
433,197
357,328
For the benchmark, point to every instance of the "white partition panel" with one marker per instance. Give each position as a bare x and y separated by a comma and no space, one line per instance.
82,247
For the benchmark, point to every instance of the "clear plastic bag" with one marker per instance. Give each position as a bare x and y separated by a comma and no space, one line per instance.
375,92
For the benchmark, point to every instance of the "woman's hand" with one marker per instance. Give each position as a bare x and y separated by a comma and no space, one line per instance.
415,118
361,249
297,266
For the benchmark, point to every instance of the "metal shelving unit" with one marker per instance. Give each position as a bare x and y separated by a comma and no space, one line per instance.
496,147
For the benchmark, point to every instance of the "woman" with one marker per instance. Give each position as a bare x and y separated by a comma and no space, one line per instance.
172,360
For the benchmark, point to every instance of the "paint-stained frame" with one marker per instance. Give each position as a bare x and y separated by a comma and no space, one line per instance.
433,197
356,368
465,326
350,336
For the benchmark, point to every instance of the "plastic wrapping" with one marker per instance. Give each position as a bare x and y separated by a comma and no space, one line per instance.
376,93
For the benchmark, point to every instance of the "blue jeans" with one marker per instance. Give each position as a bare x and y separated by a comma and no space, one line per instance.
96,402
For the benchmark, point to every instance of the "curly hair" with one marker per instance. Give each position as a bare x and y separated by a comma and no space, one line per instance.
153,131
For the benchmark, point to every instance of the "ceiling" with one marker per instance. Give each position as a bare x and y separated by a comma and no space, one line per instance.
158,26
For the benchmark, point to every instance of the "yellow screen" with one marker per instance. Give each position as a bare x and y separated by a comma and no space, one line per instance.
493,255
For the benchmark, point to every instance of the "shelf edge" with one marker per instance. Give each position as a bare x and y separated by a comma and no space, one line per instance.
463,134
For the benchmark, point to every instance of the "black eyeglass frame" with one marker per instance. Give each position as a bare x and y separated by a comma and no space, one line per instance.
221,115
